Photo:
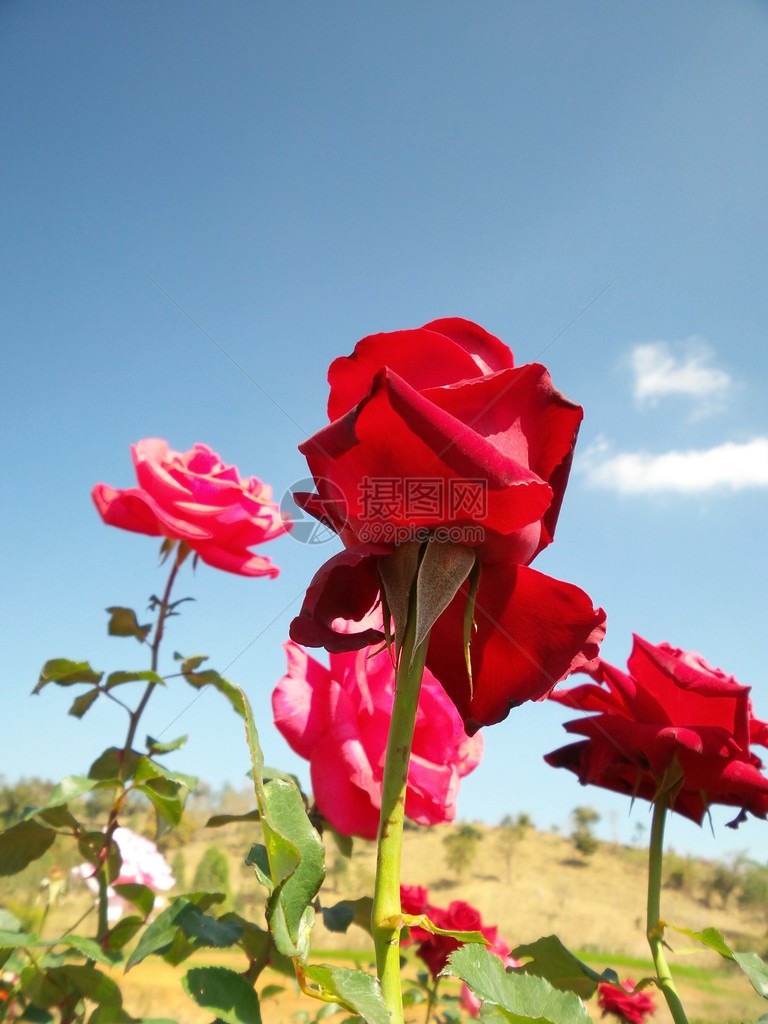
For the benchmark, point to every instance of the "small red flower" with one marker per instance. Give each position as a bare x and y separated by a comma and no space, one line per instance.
458,916
624,1002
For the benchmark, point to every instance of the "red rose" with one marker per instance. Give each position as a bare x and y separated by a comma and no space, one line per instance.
413,899
196,498
672,713
624,1002
435,433
458,916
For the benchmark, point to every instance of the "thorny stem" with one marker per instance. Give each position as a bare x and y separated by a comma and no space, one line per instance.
135,716
655,925
162,614
386,900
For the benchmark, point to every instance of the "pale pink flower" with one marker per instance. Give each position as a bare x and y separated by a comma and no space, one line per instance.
142,862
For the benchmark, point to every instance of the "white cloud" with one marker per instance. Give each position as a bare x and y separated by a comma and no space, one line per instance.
728,467
663,370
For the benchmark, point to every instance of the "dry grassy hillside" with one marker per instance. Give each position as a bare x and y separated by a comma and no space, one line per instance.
596,905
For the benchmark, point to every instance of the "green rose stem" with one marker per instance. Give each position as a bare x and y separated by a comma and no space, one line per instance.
655,924
181,553
431,1000
386,897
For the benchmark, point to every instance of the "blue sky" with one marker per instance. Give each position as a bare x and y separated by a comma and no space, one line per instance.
586,181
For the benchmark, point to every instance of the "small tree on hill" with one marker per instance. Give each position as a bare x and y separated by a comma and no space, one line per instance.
212,871
461,848
582,837
508,834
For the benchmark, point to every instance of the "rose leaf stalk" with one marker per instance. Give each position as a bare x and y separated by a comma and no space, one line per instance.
386,900
655,925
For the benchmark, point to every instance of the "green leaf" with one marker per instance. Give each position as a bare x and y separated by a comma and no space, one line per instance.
14,939
224,992
550,959
354,990
89,948
121,934
520,998
254,940
123,622
59,817
207,931
162,931
8,921
339,917
91,847
271,990
88,982
751,964
259,861
422,921
141,896
156,747
756,970
167,790
64,672
710,937
82,703
70,788
109,765
164,797
268,774
210,677
22,844
226,819
294,852
147,769
145,676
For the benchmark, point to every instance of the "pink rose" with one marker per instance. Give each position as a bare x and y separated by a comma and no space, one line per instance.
622,1001
196,498
338,719
142,862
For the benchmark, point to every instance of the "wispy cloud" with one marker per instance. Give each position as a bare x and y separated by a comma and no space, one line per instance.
726,467
665,369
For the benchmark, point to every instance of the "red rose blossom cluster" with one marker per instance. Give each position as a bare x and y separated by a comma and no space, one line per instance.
670,720
196,498
458,916
623,1002
435,433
